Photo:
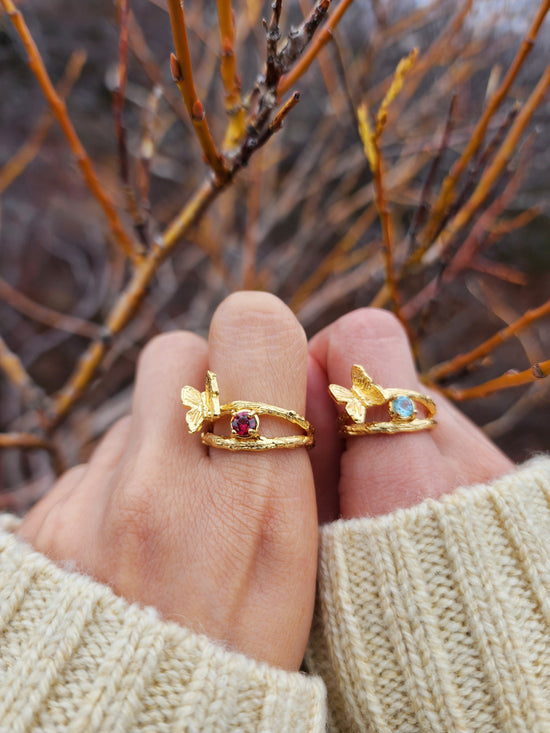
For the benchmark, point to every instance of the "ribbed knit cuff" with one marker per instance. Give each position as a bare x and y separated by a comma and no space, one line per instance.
75,657
437,618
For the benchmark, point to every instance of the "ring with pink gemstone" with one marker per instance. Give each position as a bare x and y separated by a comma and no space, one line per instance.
205,409
402,406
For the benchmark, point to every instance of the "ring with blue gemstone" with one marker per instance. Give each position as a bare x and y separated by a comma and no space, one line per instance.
408,411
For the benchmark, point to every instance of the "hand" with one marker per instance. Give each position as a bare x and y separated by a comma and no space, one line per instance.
377,474
224,543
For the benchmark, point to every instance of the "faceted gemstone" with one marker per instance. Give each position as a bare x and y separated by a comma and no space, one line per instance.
243,422
403,407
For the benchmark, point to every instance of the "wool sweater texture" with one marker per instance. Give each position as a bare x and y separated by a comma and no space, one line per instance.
434,618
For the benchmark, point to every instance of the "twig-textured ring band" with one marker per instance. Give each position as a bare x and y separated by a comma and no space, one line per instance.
401,404
205,409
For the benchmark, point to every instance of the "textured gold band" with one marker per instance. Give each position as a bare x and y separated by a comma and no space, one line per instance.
205,409
364,394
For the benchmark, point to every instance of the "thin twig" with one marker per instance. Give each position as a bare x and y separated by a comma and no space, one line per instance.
273,36
230,78
26,440
146,152
492,173
182,73
49,317
119,93
29,150
144,55
499,270
134,293
299,38
478,239
327,69
119,96
423,206
282,114
446,194
59,110
372,150
441,49
371,142
326,266
460,362
510,379
128,303
17,374
323,37
480,164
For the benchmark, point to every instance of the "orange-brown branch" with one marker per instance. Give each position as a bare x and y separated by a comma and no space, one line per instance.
134,293
321,39
463,360
17,374
182,73
47,316
510,379
230,78
494,170
25,440
327,265
478,239
29,150
446,194
59,111
128,303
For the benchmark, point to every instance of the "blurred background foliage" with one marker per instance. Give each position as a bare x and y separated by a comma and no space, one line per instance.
301,219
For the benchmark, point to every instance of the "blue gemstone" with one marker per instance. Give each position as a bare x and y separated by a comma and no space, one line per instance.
403,407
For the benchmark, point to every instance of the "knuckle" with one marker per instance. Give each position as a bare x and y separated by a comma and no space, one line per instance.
73,475
119,429
136,529
56,533
112,444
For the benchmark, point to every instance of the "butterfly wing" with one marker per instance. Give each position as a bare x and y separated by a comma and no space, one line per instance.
211,396
354,406
356,410
194,420
364,388
191,397
340,394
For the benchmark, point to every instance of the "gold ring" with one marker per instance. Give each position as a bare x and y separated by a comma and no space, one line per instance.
205,409
402,406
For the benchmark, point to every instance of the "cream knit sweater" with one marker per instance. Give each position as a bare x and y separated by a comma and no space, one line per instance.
435,618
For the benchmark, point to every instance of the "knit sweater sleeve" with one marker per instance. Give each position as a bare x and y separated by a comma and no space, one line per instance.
437,618
75,657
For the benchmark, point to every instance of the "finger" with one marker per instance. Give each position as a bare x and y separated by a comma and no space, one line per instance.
259,353
325,456
379,473
167,363
63,487
111,447
470,455
105,458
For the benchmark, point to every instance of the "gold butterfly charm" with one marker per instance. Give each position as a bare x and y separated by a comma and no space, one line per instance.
205,406
363,394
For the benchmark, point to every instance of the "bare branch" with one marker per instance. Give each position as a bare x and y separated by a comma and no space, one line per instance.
59,110
182,73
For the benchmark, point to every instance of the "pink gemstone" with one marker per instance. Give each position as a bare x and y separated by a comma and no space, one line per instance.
243,422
